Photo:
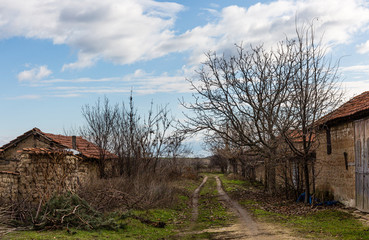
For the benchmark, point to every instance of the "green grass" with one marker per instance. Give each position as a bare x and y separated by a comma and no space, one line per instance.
212,213
325,224
134,229
234,185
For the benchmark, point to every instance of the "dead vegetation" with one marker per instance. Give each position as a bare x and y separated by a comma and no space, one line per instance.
256,197
124,193
99,203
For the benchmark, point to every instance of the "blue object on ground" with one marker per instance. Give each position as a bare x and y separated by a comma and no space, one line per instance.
301,198
330,203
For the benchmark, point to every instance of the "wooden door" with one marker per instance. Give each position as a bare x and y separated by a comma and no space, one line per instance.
361,164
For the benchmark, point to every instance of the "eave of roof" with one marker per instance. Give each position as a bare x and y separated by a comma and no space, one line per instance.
355,108
86,148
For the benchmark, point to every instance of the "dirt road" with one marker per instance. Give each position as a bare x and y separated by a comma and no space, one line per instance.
195,200
245,227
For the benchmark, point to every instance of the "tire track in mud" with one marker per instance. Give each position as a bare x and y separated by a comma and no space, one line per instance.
195,200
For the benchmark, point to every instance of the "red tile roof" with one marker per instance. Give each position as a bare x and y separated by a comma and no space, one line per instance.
356,106
45,151
297,137
86,148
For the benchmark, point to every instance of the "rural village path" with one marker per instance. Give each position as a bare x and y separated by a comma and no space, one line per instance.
245,227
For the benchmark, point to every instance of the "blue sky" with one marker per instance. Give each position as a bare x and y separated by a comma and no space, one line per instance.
59,55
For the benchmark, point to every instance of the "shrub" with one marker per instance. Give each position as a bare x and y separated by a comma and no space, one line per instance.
139,192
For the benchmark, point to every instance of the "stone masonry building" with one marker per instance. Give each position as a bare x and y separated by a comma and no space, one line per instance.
35,165
342,157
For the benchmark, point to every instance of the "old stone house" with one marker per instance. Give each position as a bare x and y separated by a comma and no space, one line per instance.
342,157
35,165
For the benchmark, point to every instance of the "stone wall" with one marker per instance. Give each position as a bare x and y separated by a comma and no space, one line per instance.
43,175
8,186
39,176
332,174
8,164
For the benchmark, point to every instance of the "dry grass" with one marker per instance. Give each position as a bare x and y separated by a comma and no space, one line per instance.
143,191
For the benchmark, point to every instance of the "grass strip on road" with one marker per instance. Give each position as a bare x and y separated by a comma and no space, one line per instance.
212,212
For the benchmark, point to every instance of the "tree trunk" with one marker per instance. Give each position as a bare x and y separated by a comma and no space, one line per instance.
306,180
313,175
270,183
102,168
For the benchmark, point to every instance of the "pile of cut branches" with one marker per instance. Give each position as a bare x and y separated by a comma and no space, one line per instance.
69,210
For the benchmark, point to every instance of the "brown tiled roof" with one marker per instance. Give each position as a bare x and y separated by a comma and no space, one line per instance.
297,137
354,107
85,147
45,151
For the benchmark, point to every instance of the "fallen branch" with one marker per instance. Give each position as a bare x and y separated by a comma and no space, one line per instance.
73,212
159,224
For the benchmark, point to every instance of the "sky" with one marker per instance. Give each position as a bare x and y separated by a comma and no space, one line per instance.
56,56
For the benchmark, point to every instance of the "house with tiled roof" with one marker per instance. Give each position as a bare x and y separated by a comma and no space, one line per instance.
342,158
36,164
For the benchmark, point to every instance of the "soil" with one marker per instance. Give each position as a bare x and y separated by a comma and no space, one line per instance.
245,227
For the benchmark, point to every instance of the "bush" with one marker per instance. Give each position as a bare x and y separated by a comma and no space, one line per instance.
143,191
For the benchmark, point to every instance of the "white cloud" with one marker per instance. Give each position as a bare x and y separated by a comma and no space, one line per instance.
84,60
127,31
140,82
70,95
363,48
26,97
353,88
121,31
35,74
270,23
356,69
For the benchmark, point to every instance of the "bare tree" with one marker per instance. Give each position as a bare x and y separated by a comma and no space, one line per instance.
140,142
243,99
314,92
100,120
125,138
259,98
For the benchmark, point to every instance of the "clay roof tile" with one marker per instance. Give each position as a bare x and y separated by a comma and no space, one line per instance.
86,148
356,105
